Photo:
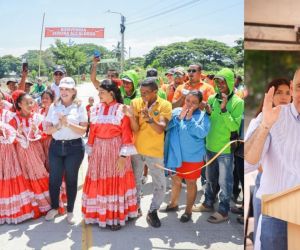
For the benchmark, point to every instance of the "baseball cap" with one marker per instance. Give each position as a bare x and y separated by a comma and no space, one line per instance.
127,79
11,80
179,72
169,72
67,82
60,68
29,82
151,72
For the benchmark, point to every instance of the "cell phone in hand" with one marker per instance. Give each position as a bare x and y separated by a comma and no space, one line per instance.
24,65
97,54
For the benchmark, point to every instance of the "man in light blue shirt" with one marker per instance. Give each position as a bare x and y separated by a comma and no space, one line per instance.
272,140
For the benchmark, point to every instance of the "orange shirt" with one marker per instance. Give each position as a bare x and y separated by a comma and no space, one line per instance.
170,90
205,88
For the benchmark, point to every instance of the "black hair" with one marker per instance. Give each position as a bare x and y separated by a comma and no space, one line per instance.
151,73
50,93
238,77
211,77
109,85
197,93
19,100
199,65
115,72
274,83
150,82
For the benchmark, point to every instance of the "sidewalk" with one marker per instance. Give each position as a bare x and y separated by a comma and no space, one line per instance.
196,234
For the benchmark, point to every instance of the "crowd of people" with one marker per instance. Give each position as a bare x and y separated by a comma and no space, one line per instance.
140,127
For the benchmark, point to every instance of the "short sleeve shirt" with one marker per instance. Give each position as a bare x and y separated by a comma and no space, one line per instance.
147,141
75,114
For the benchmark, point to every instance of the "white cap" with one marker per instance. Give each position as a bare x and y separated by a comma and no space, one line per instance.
67,82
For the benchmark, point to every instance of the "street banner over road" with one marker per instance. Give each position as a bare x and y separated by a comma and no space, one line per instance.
74,32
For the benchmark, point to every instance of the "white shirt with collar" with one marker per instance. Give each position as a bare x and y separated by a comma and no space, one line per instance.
75,114
55,89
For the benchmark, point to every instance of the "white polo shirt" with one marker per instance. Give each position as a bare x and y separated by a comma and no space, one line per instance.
75,114
55,89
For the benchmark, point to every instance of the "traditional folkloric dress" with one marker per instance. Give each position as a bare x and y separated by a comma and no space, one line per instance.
32,159
15,195
46,140
109,196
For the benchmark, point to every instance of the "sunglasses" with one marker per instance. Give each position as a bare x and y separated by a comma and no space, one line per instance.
58,74
191,70
177,75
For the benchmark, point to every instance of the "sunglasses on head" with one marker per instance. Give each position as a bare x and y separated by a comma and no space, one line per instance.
191,70
58,74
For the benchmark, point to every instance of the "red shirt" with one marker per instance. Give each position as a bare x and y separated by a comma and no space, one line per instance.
108,121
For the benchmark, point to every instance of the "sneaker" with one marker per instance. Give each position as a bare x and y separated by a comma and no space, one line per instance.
202,208
144,179
71,219
153,219
51,214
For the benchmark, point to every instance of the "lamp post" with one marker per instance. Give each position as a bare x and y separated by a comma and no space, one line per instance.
122,31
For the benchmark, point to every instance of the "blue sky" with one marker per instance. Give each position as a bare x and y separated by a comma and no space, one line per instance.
20,22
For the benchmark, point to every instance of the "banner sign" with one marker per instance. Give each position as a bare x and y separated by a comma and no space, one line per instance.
74,32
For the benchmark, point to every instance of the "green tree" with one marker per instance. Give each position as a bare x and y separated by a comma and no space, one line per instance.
239,50
134,62
33,57
212,54
9,64
69,56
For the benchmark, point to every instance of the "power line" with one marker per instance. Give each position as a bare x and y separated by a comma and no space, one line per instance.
189,20
163,12
146,8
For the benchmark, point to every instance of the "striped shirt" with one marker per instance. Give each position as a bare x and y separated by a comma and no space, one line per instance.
281,153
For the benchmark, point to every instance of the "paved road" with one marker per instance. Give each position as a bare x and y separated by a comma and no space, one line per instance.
196,234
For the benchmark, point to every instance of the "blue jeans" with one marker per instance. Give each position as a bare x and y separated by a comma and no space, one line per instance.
256,203
220,171
273,234
65,158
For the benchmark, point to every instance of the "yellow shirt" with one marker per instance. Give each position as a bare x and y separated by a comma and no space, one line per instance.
147,141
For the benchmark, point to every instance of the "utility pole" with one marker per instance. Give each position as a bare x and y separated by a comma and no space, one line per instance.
122,31
41,40
129,50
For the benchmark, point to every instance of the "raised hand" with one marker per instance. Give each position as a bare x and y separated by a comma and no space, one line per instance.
270,114
184,112
224,101
128,110
96,60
